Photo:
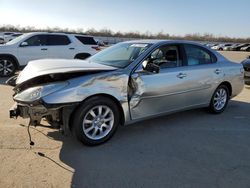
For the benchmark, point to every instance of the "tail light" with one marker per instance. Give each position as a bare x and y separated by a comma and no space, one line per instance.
97,48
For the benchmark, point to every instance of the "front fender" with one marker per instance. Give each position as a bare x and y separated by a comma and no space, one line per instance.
113,84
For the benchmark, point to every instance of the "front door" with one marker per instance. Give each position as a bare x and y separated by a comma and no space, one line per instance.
157,93
35,48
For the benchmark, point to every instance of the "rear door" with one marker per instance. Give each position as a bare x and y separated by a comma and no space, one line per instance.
203,74
60,46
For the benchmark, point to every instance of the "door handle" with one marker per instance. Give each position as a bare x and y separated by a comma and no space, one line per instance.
181,75
71,48
217,71
44,49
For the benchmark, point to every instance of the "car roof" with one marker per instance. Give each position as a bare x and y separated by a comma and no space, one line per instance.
155,41
58,33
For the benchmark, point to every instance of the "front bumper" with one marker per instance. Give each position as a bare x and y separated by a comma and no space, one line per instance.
247,75
35,113
56,115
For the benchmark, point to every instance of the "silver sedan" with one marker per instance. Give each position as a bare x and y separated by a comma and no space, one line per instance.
122,84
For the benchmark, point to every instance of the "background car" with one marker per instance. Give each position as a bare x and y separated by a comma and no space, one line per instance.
99,42
246,65
246,48
220,47
2,40
125,83
210,45
227,47
232,47
39,45
238,47
11,37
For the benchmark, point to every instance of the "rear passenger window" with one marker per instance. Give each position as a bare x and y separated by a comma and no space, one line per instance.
58,40
198,56
86,40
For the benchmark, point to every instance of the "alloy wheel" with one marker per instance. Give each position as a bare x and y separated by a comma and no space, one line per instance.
98,122
220,99
6,67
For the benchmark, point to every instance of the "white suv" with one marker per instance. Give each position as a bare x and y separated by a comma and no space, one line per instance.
41,45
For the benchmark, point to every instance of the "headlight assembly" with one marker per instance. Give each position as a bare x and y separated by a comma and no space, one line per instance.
35,93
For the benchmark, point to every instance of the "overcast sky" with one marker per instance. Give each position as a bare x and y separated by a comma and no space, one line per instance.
179,17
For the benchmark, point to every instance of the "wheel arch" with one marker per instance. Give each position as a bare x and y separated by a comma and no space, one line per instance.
117,102
12,57
82,55
228,85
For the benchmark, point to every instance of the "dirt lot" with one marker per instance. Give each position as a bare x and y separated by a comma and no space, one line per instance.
187,149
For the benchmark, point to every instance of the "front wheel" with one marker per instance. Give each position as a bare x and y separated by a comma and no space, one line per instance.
96,120
219,100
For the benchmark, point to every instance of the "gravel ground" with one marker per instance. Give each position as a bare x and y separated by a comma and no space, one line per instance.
187,149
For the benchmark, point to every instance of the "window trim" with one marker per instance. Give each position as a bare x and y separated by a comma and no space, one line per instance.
212,55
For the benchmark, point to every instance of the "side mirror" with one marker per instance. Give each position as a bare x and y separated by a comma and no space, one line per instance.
150,67
23,44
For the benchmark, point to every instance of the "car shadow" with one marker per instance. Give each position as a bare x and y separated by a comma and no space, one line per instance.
191,149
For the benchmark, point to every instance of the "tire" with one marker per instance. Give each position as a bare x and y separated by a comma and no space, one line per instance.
7,67
93,127
219,100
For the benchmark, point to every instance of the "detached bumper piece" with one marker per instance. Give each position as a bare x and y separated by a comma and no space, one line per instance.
57,117
14,111
35,113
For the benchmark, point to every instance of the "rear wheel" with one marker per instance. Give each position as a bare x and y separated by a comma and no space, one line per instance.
219,100
7,67
96,120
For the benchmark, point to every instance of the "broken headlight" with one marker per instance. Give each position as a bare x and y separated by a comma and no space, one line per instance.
35,93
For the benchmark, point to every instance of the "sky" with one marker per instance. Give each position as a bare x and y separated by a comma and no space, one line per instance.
176,17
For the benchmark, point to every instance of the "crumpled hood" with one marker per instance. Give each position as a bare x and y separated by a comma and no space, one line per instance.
50,66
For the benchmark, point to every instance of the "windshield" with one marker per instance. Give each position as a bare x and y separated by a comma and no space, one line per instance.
120,55
17,39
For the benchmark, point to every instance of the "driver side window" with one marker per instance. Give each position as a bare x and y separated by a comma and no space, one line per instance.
167,56
37,40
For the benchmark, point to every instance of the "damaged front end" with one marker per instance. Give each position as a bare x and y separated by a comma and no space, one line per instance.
32,88
30,104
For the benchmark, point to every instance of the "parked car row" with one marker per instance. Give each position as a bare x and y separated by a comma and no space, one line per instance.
8,36
246,65
229,46
43,45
